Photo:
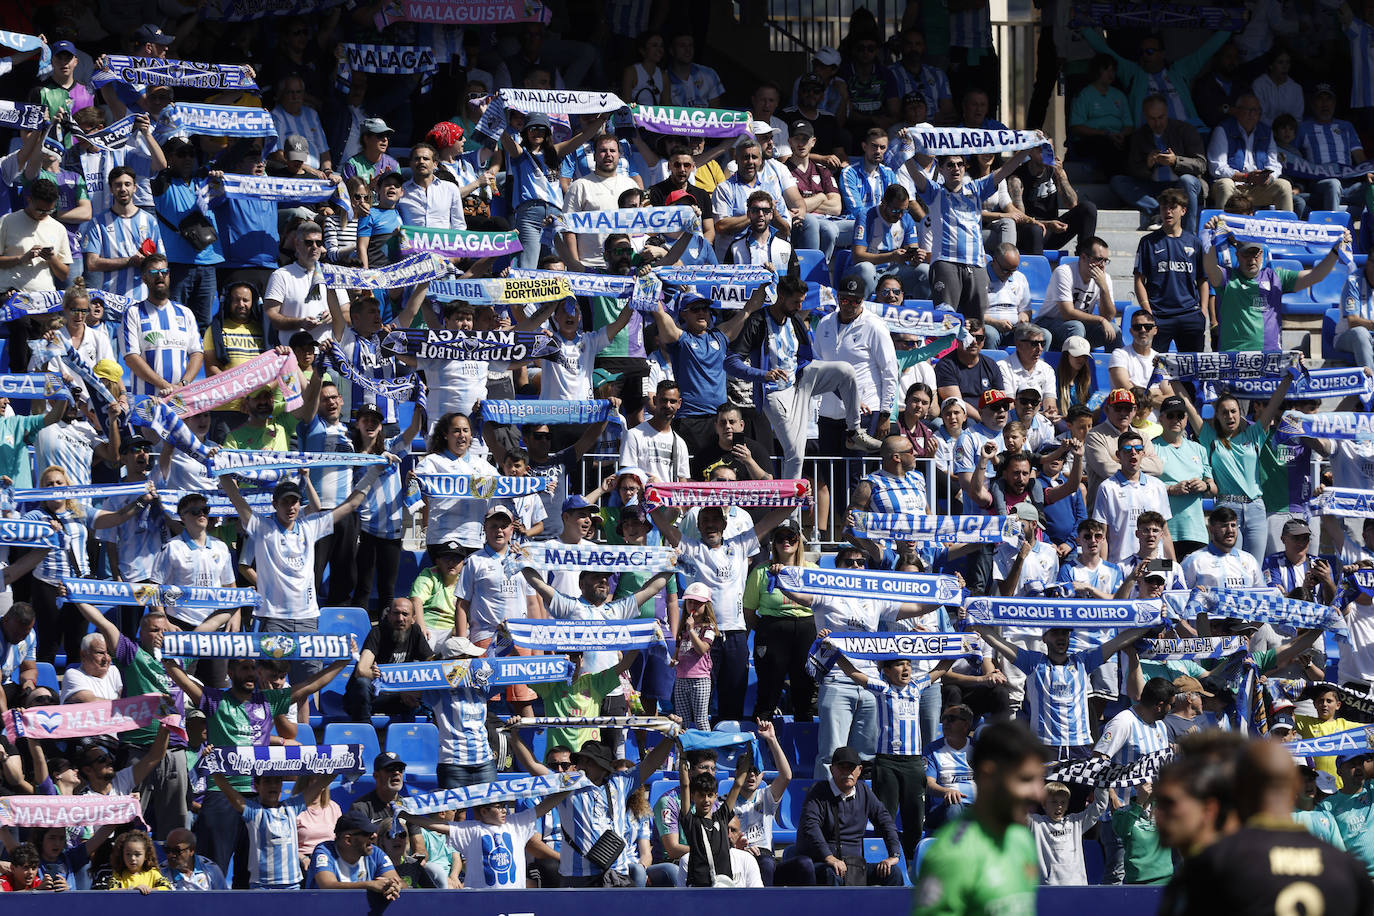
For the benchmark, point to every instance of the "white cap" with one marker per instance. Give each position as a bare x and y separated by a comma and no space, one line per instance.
828,57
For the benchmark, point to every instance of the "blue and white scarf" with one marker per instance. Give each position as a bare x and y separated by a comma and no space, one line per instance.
642,723
168,426
1238,229
292,761
108,139
234,460
29,304
416,269
1362,579
1298,167
970,141
560,101
21,42
34,386
392,60
1249,364
1349,743
1266,608
935,529
20,532
1312,385
250,10
78,492
581,284
584,635
733,282
1049,613
860,583
219,120
291,646
1191,648
550,412
904,319
556,555
1152,15
502,290
921,647
1345,502
22,116
105,591
464,486
403,389
1354,427
633,220
265,187
155,71
217,504
509,346
503,790
473,672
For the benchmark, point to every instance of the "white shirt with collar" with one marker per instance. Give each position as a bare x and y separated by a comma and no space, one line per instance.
1008,298
1016,377
1210,568
1219,152
1120,502
438,206
866,344
842,795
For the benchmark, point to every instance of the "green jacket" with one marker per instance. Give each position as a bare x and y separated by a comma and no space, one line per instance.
1182,72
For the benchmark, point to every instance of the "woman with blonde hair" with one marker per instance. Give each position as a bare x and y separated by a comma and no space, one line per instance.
783,631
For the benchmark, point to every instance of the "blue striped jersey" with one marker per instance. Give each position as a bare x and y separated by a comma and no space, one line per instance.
1360,34
273,856
460,714
326,858
112,236
931,83
1328,143
587,815
899,717
71,563
364,355
950,767
878,235
906,494
138,539
165,336
382,513
861,191
1127,737
1057,696
698,89
69,446
305,124
971,28
318,435
957,217
1107,577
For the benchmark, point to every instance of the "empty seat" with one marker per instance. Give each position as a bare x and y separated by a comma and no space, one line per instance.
417,743
355,733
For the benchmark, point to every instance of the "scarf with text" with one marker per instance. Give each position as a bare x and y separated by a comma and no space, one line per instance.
1049,613
677,121
88,810
22,42
1237,229
1269,608
34,386
218,120
903,319
403,388
1298,167
249,10
502,790
1212,367
921,647
639,723
505,346
479,673
22,532
1313,384
1354,427
1345,502
633,220
1349,743
459,243
292,761
76,492
159,417
555,555
501,291
1102,773
495,122
584,635
416,269
23,116
753,494
894,587
462,12
935,529
108,139
1191,648
464,486
390,60
155,71
235,460
99,717
291,646
560,101
550,412
266,187
149,594
970,141
217,504
1152,15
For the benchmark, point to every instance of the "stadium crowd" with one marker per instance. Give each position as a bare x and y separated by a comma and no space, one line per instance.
727,524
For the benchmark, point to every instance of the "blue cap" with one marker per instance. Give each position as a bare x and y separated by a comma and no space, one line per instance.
538,120
689,298
576,503
60,46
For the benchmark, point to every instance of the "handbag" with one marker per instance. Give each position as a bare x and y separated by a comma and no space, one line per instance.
195,230
717,879
605,852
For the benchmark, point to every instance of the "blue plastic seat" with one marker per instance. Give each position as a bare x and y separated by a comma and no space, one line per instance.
346,620
1330,354
1101,377
811,261
417,743
355,733
1036,269
1327,292
875,850
47,676
1329,217
839,265
305,734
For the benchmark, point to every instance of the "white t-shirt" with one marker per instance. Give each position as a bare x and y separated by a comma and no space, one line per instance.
1352,464
291,286
723,570
1007,299
1357,655
756,815
661,455
594,192
1119,504
285,561
454,384
493,597
19,233
109,687
569,378
1206,568
1067,286
494,856
460,518
1038,571
1138,368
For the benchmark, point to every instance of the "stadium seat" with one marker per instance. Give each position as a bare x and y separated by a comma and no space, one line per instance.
346,620
1329,217
1101,377
47,677
355,733
417,743
1330,318
1327,292
875,850
305,734
811,261
1036,270
1206,216
839,263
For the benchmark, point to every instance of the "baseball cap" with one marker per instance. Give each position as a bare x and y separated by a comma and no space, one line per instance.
1076,346
64,47
376,126
802,127
1249,246
1321,89
108,369
447,549
149,32
697,591
498,509
459,647
851,286
993,396
947,403
368,408
1030,394
386,760
355,820
1172,403
576,503
845,754
828,57
674,196
1120,396
1283,720
1026,510
1187,684
287,489
538,120
1296,526
761,128
296,148
634,472
810,79
133,442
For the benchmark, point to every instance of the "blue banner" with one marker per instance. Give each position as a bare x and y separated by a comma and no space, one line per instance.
860,583
502,790
1349,743
1188,648
1211,367
234,460
292,646
22,532
534,413
1315,384
584,635
1262,607
554,554
633,221
106,591
936,529
508,346
1354,427
473,672
1344,501
219,120
292,761
1051,613
915,646
157,71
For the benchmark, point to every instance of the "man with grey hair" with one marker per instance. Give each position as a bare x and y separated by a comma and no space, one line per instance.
730,200
95,678
1025,368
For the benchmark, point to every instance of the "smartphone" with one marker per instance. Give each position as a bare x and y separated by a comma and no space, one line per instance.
1162,564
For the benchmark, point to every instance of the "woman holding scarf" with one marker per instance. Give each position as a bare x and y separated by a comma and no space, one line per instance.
783,631
453,519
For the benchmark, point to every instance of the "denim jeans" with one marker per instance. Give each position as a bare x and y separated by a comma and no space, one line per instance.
458,775
1360,343
1094,333
218,830
529,223
818,232
848,715
193,285
1330,193
1253,522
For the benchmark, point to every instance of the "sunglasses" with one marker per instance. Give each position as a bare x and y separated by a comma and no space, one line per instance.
1029,402
954,166
1132,448
157,272
1034,343
979,337
1142,327
622,250
789,537
196,510
851,563
760,210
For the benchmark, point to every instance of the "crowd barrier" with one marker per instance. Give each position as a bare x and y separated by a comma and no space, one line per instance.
1119,901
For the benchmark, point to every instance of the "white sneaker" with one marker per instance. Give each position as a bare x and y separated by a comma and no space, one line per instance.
860,441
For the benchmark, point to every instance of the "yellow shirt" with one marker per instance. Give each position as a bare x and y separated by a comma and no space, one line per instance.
708,176
151,879
1309,727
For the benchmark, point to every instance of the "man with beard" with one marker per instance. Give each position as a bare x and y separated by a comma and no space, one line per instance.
294,298
161,341
425,199
600,190
731,448
396,640
681,165
652,445
241,716
1220,564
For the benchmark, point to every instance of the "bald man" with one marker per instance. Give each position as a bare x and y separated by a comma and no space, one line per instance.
1271,865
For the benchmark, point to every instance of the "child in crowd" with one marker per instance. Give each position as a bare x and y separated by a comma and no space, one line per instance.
134,864
1146,861
491,845
379,230
1014,434
274,856
759,801
696,632
1059,835
23,873
706,825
